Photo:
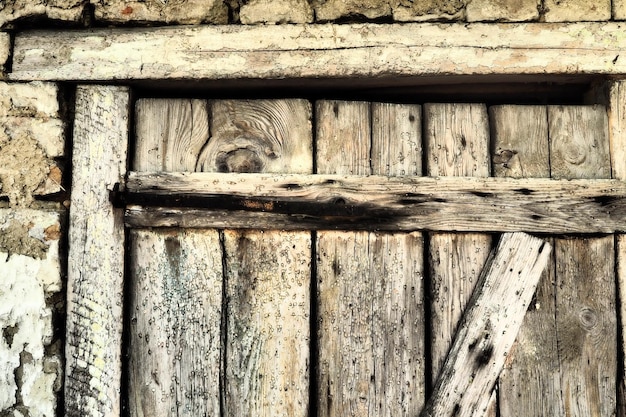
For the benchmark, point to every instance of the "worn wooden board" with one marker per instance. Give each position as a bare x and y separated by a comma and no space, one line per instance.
585,296
355,50
457,144
175,317
96,254
489,327
267,323
371,335
530,380
376,202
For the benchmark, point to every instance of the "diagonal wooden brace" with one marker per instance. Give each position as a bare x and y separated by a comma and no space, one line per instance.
489,327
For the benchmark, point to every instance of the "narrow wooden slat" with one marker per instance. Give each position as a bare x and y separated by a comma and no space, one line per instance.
96,254
176,297
530,380
300,51
267,274
585,296
170,134
457,144
489,327
175,307
267,322
379,203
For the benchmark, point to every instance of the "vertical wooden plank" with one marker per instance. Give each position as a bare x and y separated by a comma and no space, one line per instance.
369,285
175,308
267,273
176,297
457,144
170,134
268,332
617,138
585,297
530,381
96,253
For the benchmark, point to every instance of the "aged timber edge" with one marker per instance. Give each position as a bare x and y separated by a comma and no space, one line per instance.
299,202
321,51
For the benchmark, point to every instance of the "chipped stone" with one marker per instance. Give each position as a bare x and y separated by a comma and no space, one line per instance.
5,48
336,9
272,11
503,10
166,11
428,10
63,10
577,10
29,378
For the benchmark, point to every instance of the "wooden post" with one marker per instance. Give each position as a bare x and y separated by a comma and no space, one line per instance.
585,296
371,336
457,144
489,326
96,254
530,380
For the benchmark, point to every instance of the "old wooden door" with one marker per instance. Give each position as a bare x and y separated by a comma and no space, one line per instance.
236,321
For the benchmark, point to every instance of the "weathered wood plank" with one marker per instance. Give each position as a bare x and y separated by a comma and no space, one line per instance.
175,318
489,327
267,323
268,287
585,296
378,203
621,282
357,50
96,254
170,134
457,143
530,380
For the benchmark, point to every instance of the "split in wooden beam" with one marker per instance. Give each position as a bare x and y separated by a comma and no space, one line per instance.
489,327
294,201
321,51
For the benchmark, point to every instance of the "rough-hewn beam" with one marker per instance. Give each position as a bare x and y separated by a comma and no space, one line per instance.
326,51
376,202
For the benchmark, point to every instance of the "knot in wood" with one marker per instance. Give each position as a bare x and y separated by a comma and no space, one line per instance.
588,318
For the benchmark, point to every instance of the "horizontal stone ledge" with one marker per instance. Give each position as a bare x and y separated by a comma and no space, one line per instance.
299,202
320,51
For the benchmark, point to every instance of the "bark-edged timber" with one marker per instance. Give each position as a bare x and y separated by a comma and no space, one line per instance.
96,259
489,326
318,51
376,202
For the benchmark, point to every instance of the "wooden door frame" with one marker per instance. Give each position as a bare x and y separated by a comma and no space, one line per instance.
424,52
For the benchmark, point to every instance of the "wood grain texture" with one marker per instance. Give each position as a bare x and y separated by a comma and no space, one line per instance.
331,51
378,203
585,296
520,138
259,136
267,323
530,381
579,144
170,134
96,254
489,327
175,318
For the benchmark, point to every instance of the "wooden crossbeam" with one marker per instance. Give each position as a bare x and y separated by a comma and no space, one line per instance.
293,201
321,51
489,327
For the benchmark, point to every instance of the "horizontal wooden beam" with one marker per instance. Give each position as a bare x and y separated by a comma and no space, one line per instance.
292,201
320,51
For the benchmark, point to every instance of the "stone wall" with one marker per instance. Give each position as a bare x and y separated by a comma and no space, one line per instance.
35,120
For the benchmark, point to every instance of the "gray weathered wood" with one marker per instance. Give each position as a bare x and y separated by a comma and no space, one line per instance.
96,254
377,203
357,50
267,323
585,296
530,381
489,327
457,144
175,317
621,282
